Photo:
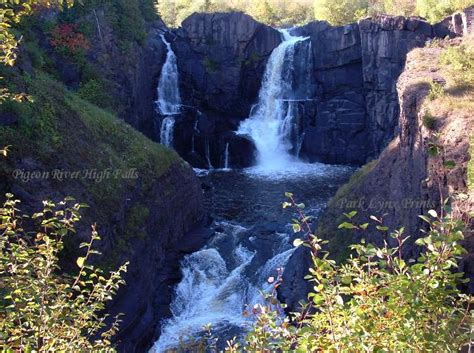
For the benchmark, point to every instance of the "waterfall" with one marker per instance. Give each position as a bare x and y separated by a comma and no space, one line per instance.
169,99
299,145
269,124
226,156
208,155
208,293
166,131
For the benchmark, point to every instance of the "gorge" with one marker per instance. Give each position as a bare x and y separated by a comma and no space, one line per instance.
327,95
217,120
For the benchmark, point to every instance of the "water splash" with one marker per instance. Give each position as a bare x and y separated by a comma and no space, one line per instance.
208,294
169,99
167,131
269,124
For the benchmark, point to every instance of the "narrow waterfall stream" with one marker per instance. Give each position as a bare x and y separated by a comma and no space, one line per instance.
169,99
252,236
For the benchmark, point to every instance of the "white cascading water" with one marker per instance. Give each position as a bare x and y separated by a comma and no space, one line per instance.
268,124
209,293
169,99
166,131
212,293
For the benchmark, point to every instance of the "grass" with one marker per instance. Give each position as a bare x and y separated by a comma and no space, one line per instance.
59,130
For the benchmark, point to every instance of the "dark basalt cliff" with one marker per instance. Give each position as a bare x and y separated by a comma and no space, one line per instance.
150,217
221,60
407,180
349,111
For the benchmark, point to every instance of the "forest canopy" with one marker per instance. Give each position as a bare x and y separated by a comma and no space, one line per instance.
296,12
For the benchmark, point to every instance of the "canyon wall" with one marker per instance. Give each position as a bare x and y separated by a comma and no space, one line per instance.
349,113
424,165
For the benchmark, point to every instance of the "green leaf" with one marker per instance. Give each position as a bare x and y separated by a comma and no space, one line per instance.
346,225
350,215
296,227
346,280
298,242
288,194
433,213
80,261
364,226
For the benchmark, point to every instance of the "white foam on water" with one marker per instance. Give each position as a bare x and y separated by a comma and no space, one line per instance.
208,294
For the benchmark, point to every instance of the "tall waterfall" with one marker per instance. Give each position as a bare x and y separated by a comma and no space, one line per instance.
270,122
169,99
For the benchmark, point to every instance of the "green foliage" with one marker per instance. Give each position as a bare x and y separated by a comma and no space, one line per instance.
376,301
340,239
459,62
272,12
127,20
435,10
95,92
89,138
436,91
42,310
340,12
429,121
136,221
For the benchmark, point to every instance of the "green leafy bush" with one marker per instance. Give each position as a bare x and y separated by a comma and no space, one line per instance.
459,61
42,309
436,91
377,301
95,92
429,121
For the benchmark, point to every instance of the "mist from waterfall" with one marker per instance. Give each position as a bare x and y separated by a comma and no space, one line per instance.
271,121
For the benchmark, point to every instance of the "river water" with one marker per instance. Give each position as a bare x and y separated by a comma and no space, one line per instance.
252,239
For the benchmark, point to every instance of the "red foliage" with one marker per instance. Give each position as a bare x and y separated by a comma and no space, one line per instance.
66,36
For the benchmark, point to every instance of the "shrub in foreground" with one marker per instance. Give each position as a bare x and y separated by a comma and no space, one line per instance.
41,308
376,301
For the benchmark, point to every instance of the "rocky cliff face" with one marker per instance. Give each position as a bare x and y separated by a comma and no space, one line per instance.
357,67
221,59
350,111
424,165
146,201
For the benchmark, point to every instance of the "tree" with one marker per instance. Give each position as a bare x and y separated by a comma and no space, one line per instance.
43,309
435,10
340,12
11,13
